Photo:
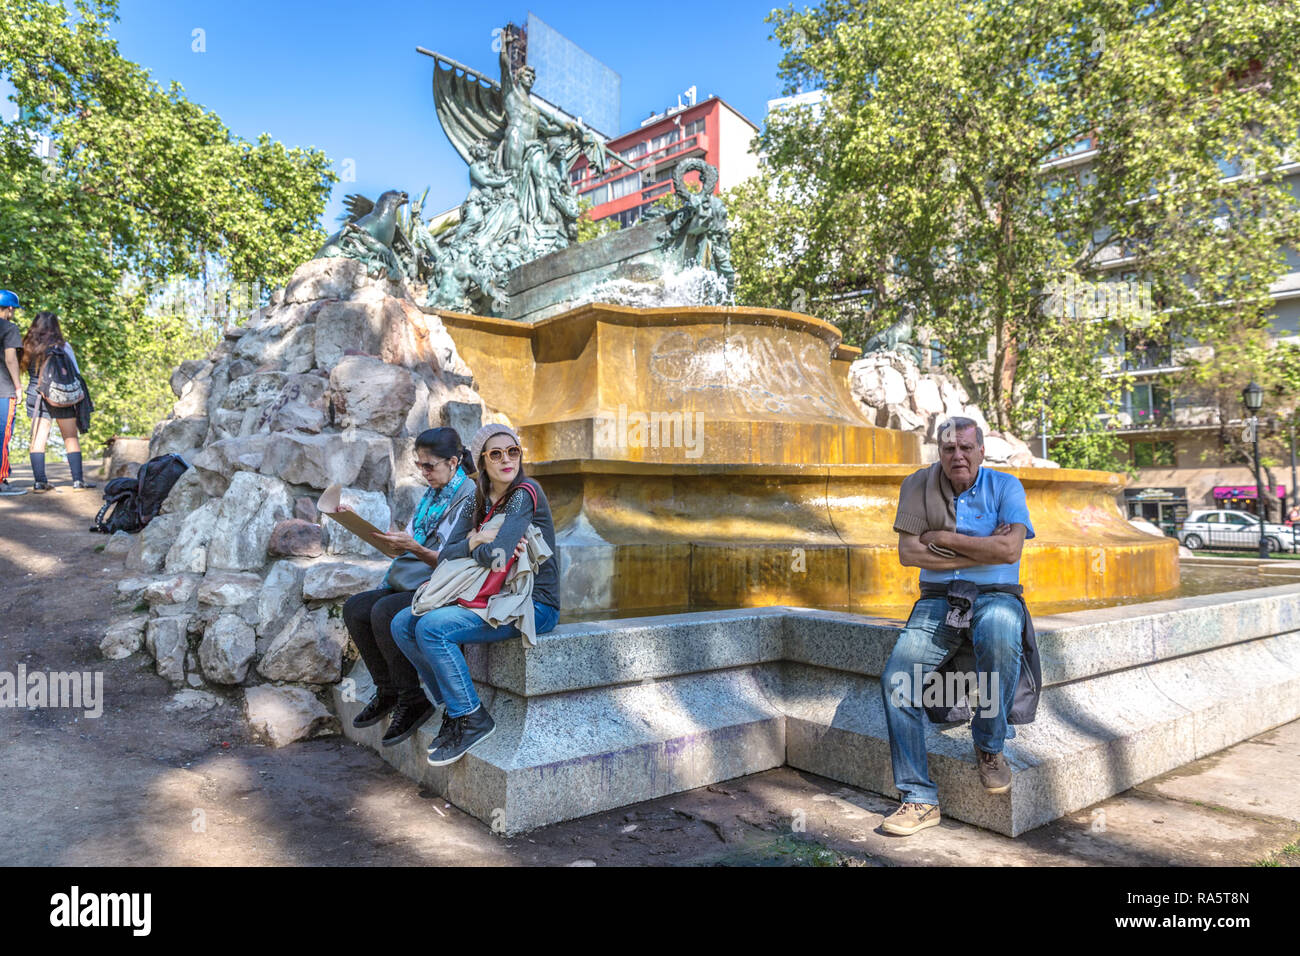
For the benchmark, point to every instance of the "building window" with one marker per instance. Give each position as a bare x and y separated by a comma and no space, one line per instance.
665,139
694,127
1153,454
598,195
621,187
635,152
1149,406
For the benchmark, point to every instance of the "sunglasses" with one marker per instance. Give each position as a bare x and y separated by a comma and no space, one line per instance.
427,467
496,455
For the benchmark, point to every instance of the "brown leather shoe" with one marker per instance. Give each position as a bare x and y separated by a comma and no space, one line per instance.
911,817
995,775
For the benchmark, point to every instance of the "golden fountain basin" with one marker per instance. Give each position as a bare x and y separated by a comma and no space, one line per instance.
702,457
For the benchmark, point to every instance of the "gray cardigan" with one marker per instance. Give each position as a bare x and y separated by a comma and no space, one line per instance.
519,513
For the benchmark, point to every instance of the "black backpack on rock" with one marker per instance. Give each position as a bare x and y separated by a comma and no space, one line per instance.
131,503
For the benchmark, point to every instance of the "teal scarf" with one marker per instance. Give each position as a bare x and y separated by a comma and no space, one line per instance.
434,505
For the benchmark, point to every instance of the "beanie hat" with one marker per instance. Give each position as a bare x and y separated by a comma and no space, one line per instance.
483,434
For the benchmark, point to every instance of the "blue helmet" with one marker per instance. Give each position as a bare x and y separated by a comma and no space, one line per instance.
8,299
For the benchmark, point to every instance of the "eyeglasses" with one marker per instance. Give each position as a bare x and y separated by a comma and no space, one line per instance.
427,467
496,454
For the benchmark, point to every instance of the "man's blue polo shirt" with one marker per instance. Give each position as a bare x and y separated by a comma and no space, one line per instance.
996,498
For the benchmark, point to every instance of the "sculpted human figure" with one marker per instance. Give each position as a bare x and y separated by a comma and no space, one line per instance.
487,181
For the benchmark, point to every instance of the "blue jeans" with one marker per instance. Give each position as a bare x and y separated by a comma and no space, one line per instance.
430,642
926,642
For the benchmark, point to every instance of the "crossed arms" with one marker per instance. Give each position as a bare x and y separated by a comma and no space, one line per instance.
1001,547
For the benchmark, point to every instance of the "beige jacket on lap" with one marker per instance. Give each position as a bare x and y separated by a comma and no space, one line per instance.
461,578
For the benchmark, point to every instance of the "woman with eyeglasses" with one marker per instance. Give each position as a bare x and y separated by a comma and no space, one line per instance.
445,465
432,641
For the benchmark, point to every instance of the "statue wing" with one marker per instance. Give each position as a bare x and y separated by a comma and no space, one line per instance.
357,206
468,108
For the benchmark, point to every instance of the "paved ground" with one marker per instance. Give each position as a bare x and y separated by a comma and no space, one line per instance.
151,782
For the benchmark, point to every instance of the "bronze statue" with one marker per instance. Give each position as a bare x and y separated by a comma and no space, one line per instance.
371,235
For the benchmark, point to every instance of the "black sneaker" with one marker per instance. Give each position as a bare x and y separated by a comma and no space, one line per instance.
374,712
83,485
459,735
39,486
407,719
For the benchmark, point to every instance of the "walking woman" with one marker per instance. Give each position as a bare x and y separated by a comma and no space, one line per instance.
444,463
41,342
432,641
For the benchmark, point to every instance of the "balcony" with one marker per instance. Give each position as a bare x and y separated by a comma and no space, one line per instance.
696,145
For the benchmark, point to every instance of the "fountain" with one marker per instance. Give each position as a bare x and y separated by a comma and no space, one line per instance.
707,468
786,492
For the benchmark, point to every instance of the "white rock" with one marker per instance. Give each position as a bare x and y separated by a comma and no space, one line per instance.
904,419
165,640
130,589
229,588
176,436
336,579
280,596
997,450
317,461
894,386
189,699
189,552
152,543
227,649
309,650
926,400
119,542
123,638
371,505
281,715
370,394
257,390
249,510
220,460
174,589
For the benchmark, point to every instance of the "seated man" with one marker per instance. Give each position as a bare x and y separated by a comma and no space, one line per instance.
964,527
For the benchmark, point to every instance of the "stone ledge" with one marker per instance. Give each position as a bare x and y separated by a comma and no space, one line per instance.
699,698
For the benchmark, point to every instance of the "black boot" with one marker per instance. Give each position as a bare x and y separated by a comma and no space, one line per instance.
459,735
375,711
407,719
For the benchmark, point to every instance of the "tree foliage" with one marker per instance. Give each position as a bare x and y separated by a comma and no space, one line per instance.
589,228
937,172
139,186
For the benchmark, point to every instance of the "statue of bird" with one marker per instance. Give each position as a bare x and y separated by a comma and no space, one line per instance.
378,219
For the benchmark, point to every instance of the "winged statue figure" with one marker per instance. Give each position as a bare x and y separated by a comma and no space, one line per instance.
521,204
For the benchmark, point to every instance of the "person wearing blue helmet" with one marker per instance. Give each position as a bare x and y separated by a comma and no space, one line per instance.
11,340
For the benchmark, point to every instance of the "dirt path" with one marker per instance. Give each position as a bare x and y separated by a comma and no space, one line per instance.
152,782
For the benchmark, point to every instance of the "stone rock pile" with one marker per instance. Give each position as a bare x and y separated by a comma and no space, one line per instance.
896,394
238,581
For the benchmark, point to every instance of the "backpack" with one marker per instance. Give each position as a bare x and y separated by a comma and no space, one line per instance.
59,384
131,503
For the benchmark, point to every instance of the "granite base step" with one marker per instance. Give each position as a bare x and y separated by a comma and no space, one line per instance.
599,716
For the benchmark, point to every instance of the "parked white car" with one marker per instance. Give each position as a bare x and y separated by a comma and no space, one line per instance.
1234,529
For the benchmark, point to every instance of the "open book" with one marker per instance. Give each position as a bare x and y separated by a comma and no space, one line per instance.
363,529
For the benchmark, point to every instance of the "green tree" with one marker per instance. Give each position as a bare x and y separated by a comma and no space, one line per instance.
108,180
589,228
937,171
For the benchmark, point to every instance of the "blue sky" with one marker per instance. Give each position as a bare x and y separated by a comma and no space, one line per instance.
344,76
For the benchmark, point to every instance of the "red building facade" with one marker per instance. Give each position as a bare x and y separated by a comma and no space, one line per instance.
710,130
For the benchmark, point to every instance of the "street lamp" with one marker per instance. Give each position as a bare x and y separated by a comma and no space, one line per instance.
1252,396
